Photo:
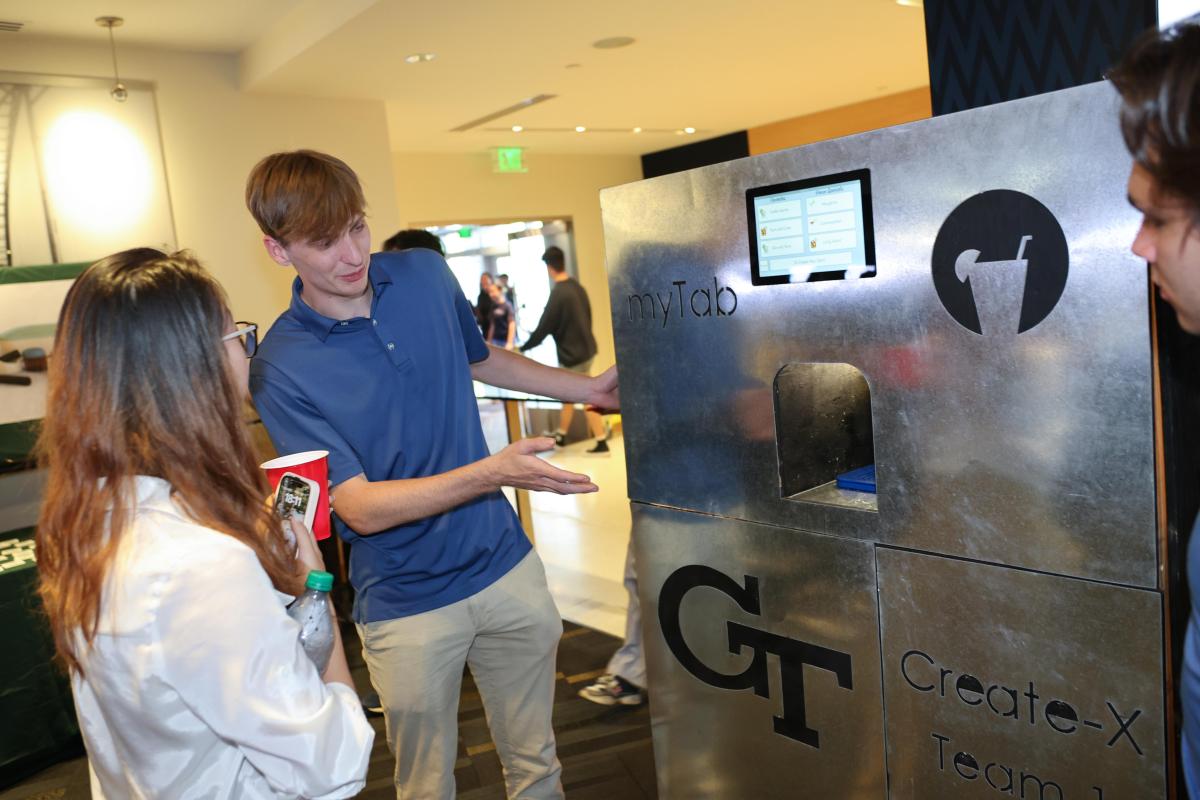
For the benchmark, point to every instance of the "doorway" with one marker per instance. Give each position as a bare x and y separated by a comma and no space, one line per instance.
514,249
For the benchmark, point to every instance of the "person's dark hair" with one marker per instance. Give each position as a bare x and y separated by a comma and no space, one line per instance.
1159,82
415,238
139,384
554,258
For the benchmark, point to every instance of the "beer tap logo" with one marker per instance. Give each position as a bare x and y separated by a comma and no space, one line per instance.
981,283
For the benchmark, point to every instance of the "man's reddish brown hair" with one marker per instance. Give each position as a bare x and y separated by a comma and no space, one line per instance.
303,196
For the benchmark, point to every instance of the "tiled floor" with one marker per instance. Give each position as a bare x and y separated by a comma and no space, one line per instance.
581,538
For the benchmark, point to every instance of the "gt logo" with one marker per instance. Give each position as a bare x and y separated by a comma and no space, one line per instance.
793,654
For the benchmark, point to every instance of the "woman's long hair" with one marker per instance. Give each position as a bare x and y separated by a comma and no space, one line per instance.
140,384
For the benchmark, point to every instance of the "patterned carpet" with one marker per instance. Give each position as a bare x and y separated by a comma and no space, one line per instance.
605,752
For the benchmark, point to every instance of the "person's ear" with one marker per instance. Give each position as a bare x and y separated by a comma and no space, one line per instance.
276,251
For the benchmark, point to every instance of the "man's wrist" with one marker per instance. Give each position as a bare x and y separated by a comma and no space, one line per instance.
483,476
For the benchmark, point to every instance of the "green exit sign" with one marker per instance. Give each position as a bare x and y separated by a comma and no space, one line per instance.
510,159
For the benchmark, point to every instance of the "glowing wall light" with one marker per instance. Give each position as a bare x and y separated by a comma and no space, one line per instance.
97,172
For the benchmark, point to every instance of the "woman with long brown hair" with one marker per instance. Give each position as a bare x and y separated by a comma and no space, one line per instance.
161,566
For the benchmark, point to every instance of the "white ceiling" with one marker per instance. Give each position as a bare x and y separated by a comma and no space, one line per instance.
217,26
715,65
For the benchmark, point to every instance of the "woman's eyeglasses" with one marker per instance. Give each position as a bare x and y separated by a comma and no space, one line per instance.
247,335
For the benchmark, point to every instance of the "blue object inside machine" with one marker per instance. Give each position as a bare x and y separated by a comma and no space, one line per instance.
858,480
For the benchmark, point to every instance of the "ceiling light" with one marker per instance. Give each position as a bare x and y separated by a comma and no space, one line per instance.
417,58
504,112
517,128
689,130
119,92
637,130
910,3
580,129
613,42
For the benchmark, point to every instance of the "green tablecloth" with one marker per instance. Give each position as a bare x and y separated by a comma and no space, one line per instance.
37,715
42,272
39,726
16,447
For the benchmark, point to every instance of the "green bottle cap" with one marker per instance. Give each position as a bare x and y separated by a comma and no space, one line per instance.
321,581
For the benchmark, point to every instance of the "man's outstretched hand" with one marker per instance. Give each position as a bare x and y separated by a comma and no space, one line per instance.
518,465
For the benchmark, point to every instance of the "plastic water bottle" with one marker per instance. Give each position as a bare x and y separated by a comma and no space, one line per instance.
315,617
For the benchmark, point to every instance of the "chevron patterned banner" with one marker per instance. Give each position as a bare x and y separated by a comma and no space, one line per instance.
989,51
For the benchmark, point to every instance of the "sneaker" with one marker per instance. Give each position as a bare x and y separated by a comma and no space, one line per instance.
372,705
613,690
600,448
560,438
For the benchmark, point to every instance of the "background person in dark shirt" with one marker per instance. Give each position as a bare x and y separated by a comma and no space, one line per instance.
483,304
568,319
415,237
510,293
502,327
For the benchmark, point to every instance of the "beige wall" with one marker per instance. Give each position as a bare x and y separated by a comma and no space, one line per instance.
842,121
443,188
212,135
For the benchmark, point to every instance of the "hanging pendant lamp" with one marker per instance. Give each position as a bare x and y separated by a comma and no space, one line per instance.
119,92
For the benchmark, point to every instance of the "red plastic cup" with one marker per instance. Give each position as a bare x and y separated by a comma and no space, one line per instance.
313,465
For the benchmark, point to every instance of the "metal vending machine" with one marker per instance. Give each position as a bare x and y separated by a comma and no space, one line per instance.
890,428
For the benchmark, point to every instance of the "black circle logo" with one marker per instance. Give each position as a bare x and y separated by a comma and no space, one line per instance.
1000,263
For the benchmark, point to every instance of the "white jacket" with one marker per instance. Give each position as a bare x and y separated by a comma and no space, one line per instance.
197,686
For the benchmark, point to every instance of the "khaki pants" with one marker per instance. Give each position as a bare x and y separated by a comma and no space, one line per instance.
508,633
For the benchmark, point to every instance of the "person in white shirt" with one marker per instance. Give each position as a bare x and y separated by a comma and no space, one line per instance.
163,572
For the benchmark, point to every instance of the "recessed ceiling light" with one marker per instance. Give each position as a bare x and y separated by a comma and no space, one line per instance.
517,128
637,130
580,129
910,3
417,58
689,130
613,42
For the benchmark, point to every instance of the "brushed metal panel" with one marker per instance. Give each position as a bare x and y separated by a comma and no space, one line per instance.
1031,449
1038,679
817,605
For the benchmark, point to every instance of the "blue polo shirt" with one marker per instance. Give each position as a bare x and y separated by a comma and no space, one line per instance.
391,397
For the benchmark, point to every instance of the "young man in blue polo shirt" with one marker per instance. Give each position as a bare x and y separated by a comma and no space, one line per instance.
373,361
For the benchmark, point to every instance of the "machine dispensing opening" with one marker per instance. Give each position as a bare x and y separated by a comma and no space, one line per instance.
825,436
